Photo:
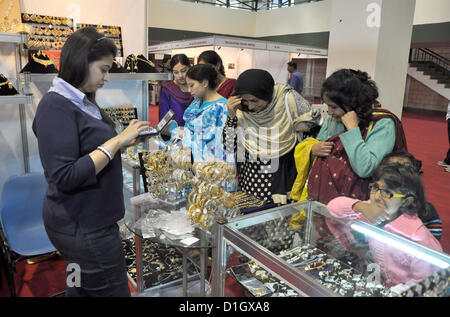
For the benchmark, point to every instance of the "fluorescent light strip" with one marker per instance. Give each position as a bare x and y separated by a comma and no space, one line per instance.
405,248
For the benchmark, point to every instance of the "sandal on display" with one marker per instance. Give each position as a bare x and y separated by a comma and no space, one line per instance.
6,87
39,63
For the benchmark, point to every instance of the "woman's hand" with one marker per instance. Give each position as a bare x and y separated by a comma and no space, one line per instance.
232,104
350,120
322,149
375,213
129,136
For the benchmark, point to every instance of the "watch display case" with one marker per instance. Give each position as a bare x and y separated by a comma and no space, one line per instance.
315,254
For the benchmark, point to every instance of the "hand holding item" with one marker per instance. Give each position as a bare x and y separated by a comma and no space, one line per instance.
129,136
233,104
322,149
350,120
374,212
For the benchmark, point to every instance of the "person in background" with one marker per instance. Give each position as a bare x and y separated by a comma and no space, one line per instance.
80,154
296,78
175,93
446,162
430,218
225,86
206,116
396,204
262,128
353,140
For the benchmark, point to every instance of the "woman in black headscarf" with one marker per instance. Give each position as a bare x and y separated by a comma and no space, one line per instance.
265,122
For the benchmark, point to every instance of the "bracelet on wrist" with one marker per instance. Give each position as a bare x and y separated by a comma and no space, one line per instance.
106,152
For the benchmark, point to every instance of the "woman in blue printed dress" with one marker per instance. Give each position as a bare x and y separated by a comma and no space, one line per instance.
206,116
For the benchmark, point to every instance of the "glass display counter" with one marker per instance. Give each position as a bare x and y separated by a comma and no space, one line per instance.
303,250
168,224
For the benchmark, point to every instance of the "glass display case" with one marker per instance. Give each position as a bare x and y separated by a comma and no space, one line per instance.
158,222
307,252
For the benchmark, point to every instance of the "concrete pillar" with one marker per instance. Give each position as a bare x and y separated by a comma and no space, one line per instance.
373,36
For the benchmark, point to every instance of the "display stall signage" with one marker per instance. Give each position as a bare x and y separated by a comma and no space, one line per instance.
240,43
160,47
199,42
278,47
308,50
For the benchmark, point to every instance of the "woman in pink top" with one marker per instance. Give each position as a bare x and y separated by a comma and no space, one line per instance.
397,198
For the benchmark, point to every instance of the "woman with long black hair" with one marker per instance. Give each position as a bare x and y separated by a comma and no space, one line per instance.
353,140
80,153
175,93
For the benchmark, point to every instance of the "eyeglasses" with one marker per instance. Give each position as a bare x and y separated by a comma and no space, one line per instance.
384,192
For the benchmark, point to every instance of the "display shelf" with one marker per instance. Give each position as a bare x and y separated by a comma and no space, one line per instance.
16,100
28,77
13,38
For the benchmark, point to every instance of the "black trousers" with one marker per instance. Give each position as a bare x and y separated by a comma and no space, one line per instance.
447,159
98,259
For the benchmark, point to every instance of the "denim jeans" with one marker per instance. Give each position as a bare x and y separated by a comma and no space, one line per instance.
100,257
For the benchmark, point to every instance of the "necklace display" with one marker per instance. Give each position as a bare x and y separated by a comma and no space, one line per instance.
44,62
6,87
6,82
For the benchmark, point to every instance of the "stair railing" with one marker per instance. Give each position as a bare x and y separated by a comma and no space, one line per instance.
427,55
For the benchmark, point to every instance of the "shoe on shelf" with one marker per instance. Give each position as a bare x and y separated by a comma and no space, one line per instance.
442,163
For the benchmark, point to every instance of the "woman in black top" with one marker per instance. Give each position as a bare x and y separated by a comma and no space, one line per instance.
80,154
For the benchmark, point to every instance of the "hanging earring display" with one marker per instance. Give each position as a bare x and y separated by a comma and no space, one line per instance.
47,32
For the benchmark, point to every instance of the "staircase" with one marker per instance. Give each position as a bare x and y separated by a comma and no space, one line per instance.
431,69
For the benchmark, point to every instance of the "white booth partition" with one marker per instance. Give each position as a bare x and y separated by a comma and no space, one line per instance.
240,54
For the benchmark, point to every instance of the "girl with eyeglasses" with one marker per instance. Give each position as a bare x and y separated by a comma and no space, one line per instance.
397,199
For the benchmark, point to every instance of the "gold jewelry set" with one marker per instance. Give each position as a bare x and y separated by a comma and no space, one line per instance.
49,33
244,200
131,62
121,115
208,199
5,81
168,172
36,18
13,26
37,59
112,32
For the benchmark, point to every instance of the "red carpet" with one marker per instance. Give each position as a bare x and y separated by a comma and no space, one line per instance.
427,140
37,280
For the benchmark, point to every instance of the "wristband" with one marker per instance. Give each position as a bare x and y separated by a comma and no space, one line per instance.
106,152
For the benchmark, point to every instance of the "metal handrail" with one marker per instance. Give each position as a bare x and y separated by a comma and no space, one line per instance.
426,55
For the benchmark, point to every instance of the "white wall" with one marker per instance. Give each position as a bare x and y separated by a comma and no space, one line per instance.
352,44
432,11
303,18
180,15
130,15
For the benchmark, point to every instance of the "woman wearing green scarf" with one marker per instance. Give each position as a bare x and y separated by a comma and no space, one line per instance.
265,122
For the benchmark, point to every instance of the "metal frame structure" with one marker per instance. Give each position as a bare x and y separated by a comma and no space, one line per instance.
252,5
